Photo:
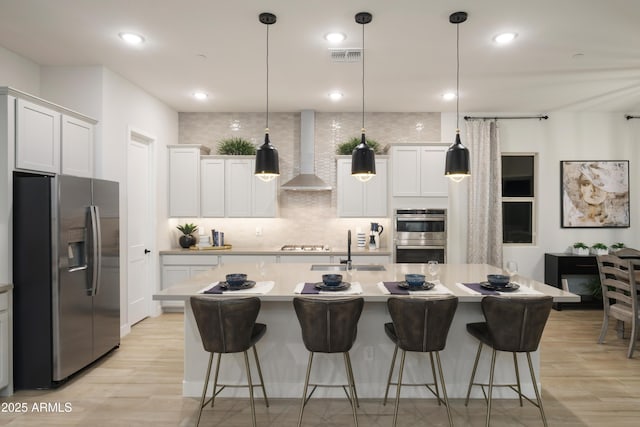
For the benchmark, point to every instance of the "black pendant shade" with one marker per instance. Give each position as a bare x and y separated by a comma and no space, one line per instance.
267,163
457,161
363,161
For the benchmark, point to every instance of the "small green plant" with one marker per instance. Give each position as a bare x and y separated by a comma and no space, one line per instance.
580,245
595,288
346,148
618,245
187,229
600,246
236,146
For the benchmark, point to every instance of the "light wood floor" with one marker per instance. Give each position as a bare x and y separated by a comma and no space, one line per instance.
584,384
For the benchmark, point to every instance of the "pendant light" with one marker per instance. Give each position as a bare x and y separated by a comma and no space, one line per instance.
457,162
363,161
267,164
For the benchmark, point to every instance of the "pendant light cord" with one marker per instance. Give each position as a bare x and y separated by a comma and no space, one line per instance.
267,120
457,77
362,78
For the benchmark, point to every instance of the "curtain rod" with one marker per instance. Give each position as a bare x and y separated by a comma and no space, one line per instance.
631,117
506,118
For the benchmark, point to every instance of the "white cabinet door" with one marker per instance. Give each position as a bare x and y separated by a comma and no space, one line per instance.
5,348
350,191
77,147
306,259
238,184
371,259
375,192
433,182
212,187
406,171
37,137
236,259
265,196
362,199
184,182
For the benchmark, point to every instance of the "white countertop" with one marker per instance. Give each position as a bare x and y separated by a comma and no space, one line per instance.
274,251
286,276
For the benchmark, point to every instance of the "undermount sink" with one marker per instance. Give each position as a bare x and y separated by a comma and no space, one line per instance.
342,267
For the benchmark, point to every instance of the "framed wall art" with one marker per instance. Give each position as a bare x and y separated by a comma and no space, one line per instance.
594,194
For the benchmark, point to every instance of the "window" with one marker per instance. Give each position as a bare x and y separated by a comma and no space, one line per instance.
518,198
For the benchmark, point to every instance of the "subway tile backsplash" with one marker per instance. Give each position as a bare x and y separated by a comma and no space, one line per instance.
303,217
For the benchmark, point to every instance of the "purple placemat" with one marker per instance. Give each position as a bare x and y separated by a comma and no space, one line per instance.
476,287
395,289
310,288
217,289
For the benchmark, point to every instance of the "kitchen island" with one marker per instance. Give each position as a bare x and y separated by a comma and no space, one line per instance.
283,356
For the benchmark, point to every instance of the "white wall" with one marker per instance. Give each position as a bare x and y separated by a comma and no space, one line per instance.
19,72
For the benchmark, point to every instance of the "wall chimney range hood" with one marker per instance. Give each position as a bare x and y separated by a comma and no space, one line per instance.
307,180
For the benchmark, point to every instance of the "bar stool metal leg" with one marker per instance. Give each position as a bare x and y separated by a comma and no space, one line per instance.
306,386
435,379
352,387
535,388
253,406
393,365
515,364
398,387
473,374
215,381
444,389
353,380
491,372
264,391
204,391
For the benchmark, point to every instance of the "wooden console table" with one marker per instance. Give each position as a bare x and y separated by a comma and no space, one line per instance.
557,265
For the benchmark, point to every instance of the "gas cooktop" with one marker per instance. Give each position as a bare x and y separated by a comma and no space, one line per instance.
305,248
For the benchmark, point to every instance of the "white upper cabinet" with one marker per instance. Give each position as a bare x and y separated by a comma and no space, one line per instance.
362,199
418,171
184,180
37,137
212,183
77,147
246,195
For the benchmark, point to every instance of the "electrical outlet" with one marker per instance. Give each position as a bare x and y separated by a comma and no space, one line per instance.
258,231
368,353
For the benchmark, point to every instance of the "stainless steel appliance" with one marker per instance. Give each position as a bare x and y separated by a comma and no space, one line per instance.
66,273
420,235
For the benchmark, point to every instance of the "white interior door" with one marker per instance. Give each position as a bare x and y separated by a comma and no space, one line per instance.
140,225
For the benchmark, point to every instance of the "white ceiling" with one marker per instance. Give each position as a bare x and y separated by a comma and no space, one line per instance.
410,52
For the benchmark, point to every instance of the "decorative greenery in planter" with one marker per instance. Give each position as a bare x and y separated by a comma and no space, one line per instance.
187,240
617,246
346,148
236,146
580,248
600,249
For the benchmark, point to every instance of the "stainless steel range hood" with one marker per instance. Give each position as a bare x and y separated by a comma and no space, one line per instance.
307,180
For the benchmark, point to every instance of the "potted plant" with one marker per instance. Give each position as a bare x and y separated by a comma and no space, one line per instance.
580,248
346,148
236,146
187,240
599,249
616,246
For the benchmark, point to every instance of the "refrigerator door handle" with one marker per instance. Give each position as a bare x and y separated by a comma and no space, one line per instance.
96,239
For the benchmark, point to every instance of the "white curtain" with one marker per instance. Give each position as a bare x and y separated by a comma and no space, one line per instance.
484,235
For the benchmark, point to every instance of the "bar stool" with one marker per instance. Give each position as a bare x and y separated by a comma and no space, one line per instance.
229,326
419,325
329,326
514,325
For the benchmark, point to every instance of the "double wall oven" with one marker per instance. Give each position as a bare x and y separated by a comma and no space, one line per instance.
420,235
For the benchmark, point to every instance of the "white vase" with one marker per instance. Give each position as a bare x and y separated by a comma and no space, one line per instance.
600,251
581,251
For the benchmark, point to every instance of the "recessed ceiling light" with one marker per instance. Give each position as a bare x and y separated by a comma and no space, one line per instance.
449,96
336,96
335,37
200,95
505,38
132,38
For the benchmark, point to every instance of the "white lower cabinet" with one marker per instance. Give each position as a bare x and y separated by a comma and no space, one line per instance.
5,342
371,259
314,259
239,259
178,268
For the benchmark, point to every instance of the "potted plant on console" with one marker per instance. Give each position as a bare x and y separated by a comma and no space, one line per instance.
580,248
599,249
187,239
616,247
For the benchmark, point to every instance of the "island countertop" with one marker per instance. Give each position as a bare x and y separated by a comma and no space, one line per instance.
287,276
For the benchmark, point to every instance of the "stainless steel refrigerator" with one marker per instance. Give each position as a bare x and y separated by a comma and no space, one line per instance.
66,275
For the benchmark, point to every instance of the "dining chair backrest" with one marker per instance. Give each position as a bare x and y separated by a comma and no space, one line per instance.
225,325
618,280
516,324
627,253
422,324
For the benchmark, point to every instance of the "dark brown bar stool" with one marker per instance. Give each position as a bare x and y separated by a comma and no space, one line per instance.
419,325
514,325
229,326
329,326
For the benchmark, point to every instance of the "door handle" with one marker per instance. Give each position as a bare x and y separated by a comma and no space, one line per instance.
146,251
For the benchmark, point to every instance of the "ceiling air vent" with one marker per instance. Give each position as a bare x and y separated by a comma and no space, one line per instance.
345,55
